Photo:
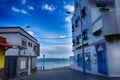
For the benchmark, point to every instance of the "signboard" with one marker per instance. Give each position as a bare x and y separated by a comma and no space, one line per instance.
100,46
101,3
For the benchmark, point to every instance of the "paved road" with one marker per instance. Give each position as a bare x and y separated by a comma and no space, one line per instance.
67,74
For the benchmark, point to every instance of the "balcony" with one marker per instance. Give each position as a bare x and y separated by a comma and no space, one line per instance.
111,22
97,25
101,3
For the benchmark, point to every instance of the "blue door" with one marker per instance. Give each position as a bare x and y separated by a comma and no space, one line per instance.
102,66
79,60
87,61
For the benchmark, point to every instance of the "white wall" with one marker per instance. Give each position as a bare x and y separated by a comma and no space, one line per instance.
93,59
14,36
117,2
12,39
111,22
29,50
113,58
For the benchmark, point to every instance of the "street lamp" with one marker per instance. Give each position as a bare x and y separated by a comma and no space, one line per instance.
83,53
43,61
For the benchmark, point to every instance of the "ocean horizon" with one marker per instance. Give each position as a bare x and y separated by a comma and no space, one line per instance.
50,63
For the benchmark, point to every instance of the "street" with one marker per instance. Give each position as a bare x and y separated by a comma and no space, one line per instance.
67,74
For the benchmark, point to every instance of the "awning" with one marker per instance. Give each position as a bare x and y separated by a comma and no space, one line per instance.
5,45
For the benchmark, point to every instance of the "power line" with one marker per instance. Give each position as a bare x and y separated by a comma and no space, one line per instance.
56,38
54,43
48,37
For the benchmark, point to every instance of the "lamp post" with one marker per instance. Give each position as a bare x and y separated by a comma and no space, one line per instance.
43,61
82,42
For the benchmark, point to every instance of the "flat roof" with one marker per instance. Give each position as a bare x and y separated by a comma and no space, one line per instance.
15,27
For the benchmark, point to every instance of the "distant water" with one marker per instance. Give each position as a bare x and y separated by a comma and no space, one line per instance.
53,62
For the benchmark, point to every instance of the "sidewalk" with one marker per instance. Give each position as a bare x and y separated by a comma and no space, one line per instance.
64,74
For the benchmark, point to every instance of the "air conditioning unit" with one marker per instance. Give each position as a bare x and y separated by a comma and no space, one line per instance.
101,3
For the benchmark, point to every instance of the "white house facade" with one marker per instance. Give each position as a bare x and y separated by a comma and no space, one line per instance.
100,21
24,53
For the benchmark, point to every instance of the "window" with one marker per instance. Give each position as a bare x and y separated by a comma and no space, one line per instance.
35,48
22,64
83,12
76,4
77,40
73,42
73,28
79,36
30,44
24,43
84,32
76,22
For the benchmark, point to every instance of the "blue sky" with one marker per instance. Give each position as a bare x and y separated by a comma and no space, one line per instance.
46,18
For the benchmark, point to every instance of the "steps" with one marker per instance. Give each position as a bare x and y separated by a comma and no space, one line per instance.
1,74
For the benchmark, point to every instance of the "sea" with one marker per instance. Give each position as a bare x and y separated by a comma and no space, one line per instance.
50,63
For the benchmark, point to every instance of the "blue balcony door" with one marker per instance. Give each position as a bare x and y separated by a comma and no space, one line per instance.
102,66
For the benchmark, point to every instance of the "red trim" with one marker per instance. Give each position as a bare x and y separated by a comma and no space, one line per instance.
5,45
2,39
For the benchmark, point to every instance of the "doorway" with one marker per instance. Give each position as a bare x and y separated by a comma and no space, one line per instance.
102,65
10,67
79,60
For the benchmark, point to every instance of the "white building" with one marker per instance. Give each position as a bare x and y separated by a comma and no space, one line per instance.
101,36
24,53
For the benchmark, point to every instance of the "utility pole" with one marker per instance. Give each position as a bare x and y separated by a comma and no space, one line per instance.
80,18
83,53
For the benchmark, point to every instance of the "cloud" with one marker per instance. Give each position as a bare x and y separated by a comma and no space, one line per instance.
48,7
23,11
68,19
15,9
23,2
62,36
57,51
19,10
47,34
31,8
69,8
49,46
31,33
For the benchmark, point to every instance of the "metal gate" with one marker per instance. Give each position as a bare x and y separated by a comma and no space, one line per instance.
10,67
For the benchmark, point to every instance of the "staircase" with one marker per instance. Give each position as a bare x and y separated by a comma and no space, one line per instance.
1,74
